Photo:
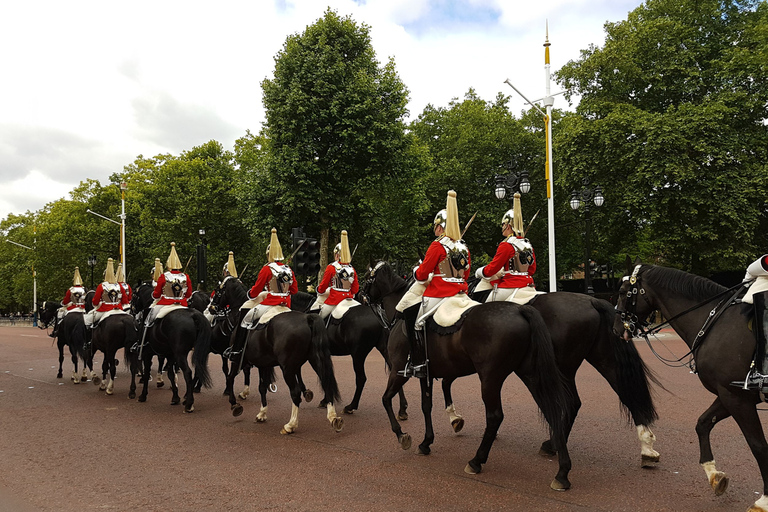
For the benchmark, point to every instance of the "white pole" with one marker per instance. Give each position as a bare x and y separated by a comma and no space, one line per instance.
549,100
123,186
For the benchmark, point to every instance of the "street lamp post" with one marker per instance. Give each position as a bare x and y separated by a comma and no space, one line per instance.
579,198
34,280
123,187
202,262
92,263
510,183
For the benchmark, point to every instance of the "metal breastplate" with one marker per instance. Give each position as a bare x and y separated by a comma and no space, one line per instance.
344,278
282,278
77,295
175,286
520,262
456,262
110,293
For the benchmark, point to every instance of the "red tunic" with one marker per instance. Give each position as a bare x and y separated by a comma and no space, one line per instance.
438,287
272,299
67,301
127,292
106,306
166,301
504,253
335,296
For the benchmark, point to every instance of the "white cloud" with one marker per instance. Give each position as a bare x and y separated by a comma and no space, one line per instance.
90,85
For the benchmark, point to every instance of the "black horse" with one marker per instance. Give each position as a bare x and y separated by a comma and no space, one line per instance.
224,323
356,335
173,337
581,328
71,333
289,340
113,332
493,341
722,351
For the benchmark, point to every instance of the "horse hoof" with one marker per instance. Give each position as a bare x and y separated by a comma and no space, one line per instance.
96,381
557,485
59,375
260,419
237,410
349,410
457,424
131,395
160,384
285,432
719,483
338,424
649,461
468,469
405,441
403,416
423,450
110,392
242,396
142,399
190,409
175,402
309,395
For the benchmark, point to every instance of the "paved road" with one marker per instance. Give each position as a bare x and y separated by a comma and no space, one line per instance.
66,447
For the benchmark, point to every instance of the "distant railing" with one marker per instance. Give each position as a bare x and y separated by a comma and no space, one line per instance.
16,321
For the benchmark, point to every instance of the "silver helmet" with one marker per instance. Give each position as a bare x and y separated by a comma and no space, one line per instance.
508,218
440,218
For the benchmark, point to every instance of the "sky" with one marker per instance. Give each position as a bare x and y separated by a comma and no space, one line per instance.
87,86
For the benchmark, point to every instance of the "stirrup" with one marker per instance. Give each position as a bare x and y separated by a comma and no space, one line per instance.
414,370
754,380
230,354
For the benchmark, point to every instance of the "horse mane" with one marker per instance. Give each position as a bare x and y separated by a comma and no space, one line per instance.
677,281
237,289
384,269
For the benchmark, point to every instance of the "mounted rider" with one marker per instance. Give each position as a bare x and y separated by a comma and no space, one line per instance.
509,275
228,272
339,283
74,300
125,287
757,295
441,275
270,293
108,297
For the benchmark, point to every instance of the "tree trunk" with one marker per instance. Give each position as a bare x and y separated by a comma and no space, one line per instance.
323,251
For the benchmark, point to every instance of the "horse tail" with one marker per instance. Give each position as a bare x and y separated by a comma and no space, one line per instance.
632,375
131,338
321,355
202,349
77,339
549,390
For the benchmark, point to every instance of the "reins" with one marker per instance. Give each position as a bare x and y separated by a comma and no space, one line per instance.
631,318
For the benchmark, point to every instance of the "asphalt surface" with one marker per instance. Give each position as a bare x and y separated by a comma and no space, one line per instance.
67,447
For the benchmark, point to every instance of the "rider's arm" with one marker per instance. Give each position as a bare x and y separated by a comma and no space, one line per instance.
504,253
355,286
158,291
434,255
330,270
261,281
189,287
294,285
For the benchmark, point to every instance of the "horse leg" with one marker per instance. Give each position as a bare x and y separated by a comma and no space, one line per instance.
395,384
358,363
716,412
189,380
426,409
175,399
104,371
494,415
457,421
132,390
247,387
235,407
225,369
292,381
574,404
161,366
402,414
145,378
61,360
742,407
307,393
261,417
112,369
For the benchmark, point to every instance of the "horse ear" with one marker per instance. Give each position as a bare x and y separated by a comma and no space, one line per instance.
637,262
628,264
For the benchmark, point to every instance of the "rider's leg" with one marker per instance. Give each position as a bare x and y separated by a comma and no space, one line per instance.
760,326
241,333
416,365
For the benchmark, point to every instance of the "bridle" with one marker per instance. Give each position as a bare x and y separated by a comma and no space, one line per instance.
632,323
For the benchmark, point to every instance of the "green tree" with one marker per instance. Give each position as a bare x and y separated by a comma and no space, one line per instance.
339,157
672,123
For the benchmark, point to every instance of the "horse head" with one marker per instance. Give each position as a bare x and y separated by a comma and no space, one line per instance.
48,313
142,299
381,281
231,294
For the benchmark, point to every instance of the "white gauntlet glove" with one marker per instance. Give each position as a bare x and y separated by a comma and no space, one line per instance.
479,273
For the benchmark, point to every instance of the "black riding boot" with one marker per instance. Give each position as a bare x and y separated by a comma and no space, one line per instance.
758,374
55,331
241,333
416,366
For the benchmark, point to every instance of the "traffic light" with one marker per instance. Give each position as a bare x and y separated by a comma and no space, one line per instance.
307,258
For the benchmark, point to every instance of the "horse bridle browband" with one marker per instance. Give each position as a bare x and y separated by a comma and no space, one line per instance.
629,317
